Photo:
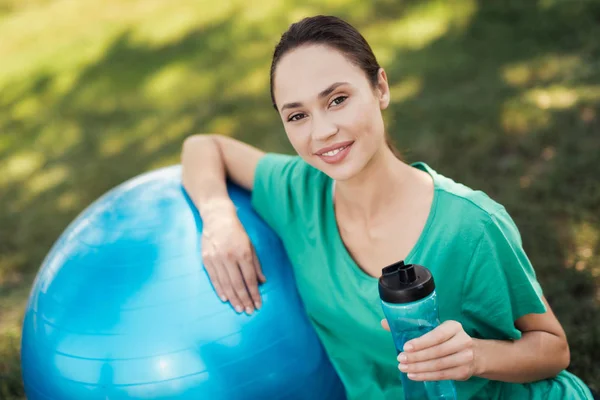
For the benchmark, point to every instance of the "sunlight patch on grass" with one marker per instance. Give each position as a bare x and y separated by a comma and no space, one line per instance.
69,35
63,83
589,93
544,69
27,108
520,118
586,242
10,327
257,11
299,12
150,132
166,22
552,98
405,89
13,6
46,179
50,40
255,83
11,317
20,165
419,26
68,201
116,140
179,128
223,125
168,81
559,97
255,51
176,86
58,137
112,145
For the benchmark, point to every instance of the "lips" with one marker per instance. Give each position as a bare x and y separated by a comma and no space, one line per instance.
336,153
337,146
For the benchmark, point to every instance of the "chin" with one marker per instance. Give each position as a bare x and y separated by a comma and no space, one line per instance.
342,172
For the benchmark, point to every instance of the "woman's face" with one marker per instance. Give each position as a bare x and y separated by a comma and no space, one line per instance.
331,114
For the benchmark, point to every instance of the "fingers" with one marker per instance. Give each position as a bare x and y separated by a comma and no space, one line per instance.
239,287
231,292
462,358
385,324
261,276
461,373
213,275
250,279
439,335
447,352
232,266
454,345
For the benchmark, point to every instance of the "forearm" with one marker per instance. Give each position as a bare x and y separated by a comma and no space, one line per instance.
204,175
536,356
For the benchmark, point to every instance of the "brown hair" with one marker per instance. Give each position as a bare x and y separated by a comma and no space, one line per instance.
338,34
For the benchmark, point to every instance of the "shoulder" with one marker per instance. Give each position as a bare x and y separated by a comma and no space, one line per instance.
465,198
469,210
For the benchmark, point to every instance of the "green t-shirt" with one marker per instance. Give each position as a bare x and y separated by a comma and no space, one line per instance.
471,245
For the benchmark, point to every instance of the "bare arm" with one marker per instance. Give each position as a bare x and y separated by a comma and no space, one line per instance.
448,352
207,160
542,351
227,253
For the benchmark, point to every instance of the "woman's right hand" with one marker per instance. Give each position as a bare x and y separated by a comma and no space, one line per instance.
230,259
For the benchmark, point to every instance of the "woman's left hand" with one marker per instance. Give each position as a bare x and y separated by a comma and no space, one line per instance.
446,352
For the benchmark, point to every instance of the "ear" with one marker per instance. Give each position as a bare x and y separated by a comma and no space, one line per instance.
383,89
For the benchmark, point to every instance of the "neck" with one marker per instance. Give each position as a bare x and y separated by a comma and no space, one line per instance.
382,184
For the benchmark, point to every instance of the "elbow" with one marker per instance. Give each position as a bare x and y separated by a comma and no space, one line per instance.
191,144
189,155
561,356
564,360
194,141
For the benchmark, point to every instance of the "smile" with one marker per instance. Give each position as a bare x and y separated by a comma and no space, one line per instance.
334,152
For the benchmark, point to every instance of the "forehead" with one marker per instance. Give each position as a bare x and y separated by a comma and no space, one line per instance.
305,71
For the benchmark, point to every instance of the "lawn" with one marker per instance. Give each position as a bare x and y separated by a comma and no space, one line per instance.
502,96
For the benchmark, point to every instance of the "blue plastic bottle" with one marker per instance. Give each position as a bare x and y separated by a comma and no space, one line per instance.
409,303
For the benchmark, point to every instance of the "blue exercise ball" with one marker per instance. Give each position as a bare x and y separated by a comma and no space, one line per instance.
122,308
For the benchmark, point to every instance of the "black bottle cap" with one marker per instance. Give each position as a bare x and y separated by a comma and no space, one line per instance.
405,283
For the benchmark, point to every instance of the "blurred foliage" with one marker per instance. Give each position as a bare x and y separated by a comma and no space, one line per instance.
503,96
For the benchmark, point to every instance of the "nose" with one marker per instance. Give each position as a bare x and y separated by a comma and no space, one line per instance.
322,128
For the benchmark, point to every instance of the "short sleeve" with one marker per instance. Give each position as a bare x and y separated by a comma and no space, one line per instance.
277,179
500,285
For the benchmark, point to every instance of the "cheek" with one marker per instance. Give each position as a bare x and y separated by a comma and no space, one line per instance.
298,137
364,120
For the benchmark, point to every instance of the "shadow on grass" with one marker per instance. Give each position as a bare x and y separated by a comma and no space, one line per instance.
507,104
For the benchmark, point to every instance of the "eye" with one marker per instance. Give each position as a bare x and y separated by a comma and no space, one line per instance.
339,100
293,117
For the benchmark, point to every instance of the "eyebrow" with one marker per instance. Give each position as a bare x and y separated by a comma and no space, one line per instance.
323,93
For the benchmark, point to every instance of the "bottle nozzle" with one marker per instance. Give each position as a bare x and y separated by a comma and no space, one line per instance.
407,274
392,269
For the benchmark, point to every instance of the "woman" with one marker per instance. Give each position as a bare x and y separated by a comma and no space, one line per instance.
346,206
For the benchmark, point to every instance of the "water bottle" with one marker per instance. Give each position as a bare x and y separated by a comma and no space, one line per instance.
409,303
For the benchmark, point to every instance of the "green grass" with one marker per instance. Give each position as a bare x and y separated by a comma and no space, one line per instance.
502,96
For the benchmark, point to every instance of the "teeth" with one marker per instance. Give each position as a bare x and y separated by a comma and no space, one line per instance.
334,152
